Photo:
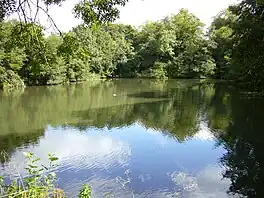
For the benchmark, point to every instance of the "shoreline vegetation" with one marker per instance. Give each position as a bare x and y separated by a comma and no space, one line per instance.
40,181
174,47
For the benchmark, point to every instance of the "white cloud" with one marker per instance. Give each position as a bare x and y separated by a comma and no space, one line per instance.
137,12
75,150
105,187
208,183
63,15
204,132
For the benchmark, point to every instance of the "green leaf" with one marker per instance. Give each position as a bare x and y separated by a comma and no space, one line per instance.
53,159
32,166
28,154
36,160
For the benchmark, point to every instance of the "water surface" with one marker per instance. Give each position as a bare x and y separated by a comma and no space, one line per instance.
140,138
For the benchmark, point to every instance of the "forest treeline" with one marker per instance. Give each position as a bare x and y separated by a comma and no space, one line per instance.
175,47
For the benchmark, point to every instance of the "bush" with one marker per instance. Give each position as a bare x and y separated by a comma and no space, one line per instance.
40,182
10,80
78,70
57,72
158,71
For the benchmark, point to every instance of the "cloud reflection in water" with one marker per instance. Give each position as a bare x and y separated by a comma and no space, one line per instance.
99,158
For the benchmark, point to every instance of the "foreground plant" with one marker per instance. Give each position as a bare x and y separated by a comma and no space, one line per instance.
39,182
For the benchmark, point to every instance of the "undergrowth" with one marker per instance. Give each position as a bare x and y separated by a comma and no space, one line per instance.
40,181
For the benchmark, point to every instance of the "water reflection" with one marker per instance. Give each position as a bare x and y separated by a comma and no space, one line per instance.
206,183
243,140
168,139
108,160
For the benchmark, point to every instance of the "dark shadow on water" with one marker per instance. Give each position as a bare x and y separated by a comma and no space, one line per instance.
241,121
150,94
166,116
10,142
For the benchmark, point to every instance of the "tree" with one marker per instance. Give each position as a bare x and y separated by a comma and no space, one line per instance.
238,33
98,11
221,34
91,11
248,51
12,57
101,49
26,55
173,47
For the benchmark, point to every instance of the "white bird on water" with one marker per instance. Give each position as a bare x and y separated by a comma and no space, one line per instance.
114,95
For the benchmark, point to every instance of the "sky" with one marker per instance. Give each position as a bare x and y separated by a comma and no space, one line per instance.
137,12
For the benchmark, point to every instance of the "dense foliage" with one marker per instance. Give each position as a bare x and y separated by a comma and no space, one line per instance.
238,33
174,47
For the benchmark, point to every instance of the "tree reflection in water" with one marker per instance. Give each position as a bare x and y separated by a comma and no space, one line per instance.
243,140
175,108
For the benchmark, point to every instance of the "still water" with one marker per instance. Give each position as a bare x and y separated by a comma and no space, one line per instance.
140,138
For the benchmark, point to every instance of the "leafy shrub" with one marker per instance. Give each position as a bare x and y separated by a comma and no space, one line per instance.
85,192
78,70
57,72
158,71
40,182
10,80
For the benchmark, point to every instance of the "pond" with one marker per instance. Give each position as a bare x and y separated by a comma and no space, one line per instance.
140,138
